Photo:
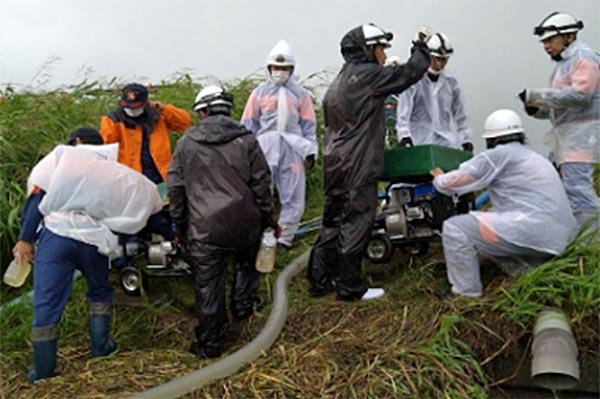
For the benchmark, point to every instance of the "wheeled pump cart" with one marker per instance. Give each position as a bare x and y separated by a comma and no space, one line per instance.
412,211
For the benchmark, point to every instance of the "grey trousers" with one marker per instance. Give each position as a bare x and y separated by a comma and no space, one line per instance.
464,244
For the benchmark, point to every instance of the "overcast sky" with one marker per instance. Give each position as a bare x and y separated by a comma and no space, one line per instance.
495,57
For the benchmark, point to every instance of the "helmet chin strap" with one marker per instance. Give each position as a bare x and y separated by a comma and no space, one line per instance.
433,71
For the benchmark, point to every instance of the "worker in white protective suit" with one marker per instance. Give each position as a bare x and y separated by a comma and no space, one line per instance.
281,115
530,219
572,104
427,111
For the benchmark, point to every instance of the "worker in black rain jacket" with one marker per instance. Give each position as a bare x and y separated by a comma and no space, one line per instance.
353,156
220,201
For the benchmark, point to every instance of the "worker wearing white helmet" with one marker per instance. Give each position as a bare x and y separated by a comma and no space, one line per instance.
354,138
220,202
281,115
433,110
572,104
530,220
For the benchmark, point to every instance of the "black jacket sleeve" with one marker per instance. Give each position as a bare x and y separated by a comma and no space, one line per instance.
31,217
260,183
395,79
177,195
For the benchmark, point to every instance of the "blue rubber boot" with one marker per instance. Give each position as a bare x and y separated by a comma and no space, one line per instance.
44,360
101,344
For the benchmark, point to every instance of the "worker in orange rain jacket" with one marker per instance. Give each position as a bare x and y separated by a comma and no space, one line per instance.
141,128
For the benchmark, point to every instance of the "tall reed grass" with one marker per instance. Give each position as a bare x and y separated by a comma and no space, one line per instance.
32,123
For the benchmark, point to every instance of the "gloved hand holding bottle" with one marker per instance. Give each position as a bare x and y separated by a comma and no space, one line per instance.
405,142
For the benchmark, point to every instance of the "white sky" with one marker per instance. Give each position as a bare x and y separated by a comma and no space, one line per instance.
496,55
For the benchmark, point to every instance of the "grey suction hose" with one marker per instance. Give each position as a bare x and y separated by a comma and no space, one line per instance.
232,363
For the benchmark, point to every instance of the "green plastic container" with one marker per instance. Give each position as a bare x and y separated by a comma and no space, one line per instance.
414,163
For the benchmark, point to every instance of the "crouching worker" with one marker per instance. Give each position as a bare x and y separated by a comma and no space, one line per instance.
530,220
83,195
220,201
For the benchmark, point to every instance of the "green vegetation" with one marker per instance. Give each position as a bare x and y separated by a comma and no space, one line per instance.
407,345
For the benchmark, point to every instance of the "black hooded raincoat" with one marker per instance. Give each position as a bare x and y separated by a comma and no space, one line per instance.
220,200
353,160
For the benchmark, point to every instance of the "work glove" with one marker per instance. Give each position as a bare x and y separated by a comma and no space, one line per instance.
405,142
420,45
422,35
531,110
269,222
468,147
309,163
157,105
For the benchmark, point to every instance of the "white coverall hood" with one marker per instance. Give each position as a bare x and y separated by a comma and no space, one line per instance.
281,55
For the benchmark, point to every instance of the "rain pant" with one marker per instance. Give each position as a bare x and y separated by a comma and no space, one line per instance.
427,109
209,263
283,119
464,242
144,143
353,161
220,201
578,179
530,211
572,104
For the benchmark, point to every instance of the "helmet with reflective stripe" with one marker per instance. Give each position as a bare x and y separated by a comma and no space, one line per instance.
211,97
440,46
374,35
557,23
503,122
281,55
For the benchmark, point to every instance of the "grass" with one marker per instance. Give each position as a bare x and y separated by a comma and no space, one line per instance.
407,345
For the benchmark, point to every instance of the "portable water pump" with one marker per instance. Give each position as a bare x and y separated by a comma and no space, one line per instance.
412,211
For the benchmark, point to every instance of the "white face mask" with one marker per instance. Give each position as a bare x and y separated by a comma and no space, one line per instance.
280,77
134,112
433,71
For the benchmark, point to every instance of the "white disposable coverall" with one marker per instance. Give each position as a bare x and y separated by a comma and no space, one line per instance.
530,216
90,195
283,119
572,103
426,110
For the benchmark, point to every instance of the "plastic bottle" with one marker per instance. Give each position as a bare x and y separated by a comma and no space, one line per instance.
265,260
17,271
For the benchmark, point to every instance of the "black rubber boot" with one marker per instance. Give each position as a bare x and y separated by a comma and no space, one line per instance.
44,360
101,344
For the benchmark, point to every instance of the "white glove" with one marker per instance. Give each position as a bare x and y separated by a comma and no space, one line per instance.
423,34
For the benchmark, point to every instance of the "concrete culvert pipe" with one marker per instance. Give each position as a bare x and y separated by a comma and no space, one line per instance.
554,362
232,363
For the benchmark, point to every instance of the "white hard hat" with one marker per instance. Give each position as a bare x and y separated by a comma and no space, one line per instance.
557,23
211,96
281,55
375,35
439,45
502,122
